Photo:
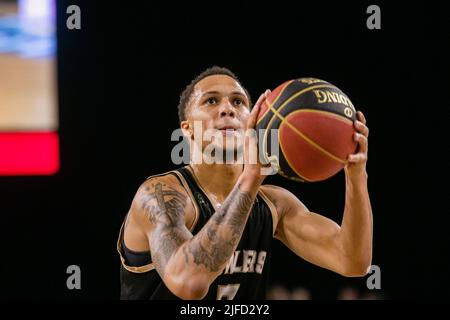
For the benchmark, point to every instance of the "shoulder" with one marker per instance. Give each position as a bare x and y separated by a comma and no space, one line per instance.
168,183
275,193
283,199
162,192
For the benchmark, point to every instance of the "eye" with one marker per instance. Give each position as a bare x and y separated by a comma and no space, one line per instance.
238,102
211,100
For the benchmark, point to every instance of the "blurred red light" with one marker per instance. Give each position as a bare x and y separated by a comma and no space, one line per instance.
29,153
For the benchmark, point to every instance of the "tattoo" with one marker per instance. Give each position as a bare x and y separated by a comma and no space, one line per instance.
164,207
158,209
216,242
212,247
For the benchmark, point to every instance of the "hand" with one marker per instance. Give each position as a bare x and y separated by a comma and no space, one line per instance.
252,166
357,162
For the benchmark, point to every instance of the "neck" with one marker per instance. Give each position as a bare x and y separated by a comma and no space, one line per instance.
218,179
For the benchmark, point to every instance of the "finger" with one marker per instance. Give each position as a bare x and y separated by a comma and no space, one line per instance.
357,158
253,116
362,142
255,111
262,97
361,117
362,128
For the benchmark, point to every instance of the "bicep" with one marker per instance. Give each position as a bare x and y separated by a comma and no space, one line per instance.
314,238
162,207
311,236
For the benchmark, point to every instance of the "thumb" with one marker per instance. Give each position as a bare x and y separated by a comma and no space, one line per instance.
255,111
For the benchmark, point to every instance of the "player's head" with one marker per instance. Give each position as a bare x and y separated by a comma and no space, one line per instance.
218,101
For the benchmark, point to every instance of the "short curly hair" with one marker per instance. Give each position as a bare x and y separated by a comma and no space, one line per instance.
185,96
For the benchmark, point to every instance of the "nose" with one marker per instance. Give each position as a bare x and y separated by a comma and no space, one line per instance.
226,109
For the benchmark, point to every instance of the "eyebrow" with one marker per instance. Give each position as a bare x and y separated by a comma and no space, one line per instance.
217,92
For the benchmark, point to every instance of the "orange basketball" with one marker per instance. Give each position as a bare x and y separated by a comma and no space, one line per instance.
315,128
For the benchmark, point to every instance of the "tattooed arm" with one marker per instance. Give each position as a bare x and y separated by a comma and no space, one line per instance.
189,264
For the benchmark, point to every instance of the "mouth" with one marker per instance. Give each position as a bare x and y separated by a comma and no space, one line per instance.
228,130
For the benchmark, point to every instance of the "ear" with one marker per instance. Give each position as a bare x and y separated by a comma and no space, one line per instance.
187,129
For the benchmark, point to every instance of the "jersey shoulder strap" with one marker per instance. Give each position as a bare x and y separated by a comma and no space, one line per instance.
150,266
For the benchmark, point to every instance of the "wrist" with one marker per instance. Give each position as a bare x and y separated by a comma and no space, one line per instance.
357,180
356,173
250,181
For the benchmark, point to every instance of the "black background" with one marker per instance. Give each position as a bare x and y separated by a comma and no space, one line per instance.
119,80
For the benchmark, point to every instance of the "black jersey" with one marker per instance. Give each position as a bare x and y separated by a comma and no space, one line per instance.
244,277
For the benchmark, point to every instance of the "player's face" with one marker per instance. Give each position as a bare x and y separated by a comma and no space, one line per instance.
220,103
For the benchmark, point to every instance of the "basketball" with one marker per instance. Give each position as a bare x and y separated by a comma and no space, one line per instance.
314,119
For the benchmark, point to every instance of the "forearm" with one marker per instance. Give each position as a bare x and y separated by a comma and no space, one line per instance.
357,225
207,253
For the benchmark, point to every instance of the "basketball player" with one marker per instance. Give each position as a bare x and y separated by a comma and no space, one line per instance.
205,230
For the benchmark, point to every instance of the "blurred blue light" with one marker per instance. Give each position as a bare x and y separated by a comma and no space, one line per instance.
31,33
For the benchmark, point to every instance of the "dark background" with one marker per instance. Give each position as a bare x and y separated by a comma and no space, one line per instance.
119,80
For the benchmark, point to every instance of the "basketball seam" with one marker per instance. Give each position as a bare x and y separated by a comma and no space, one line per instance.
327,113
273,102
309,140
292,178
287,160
297,94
